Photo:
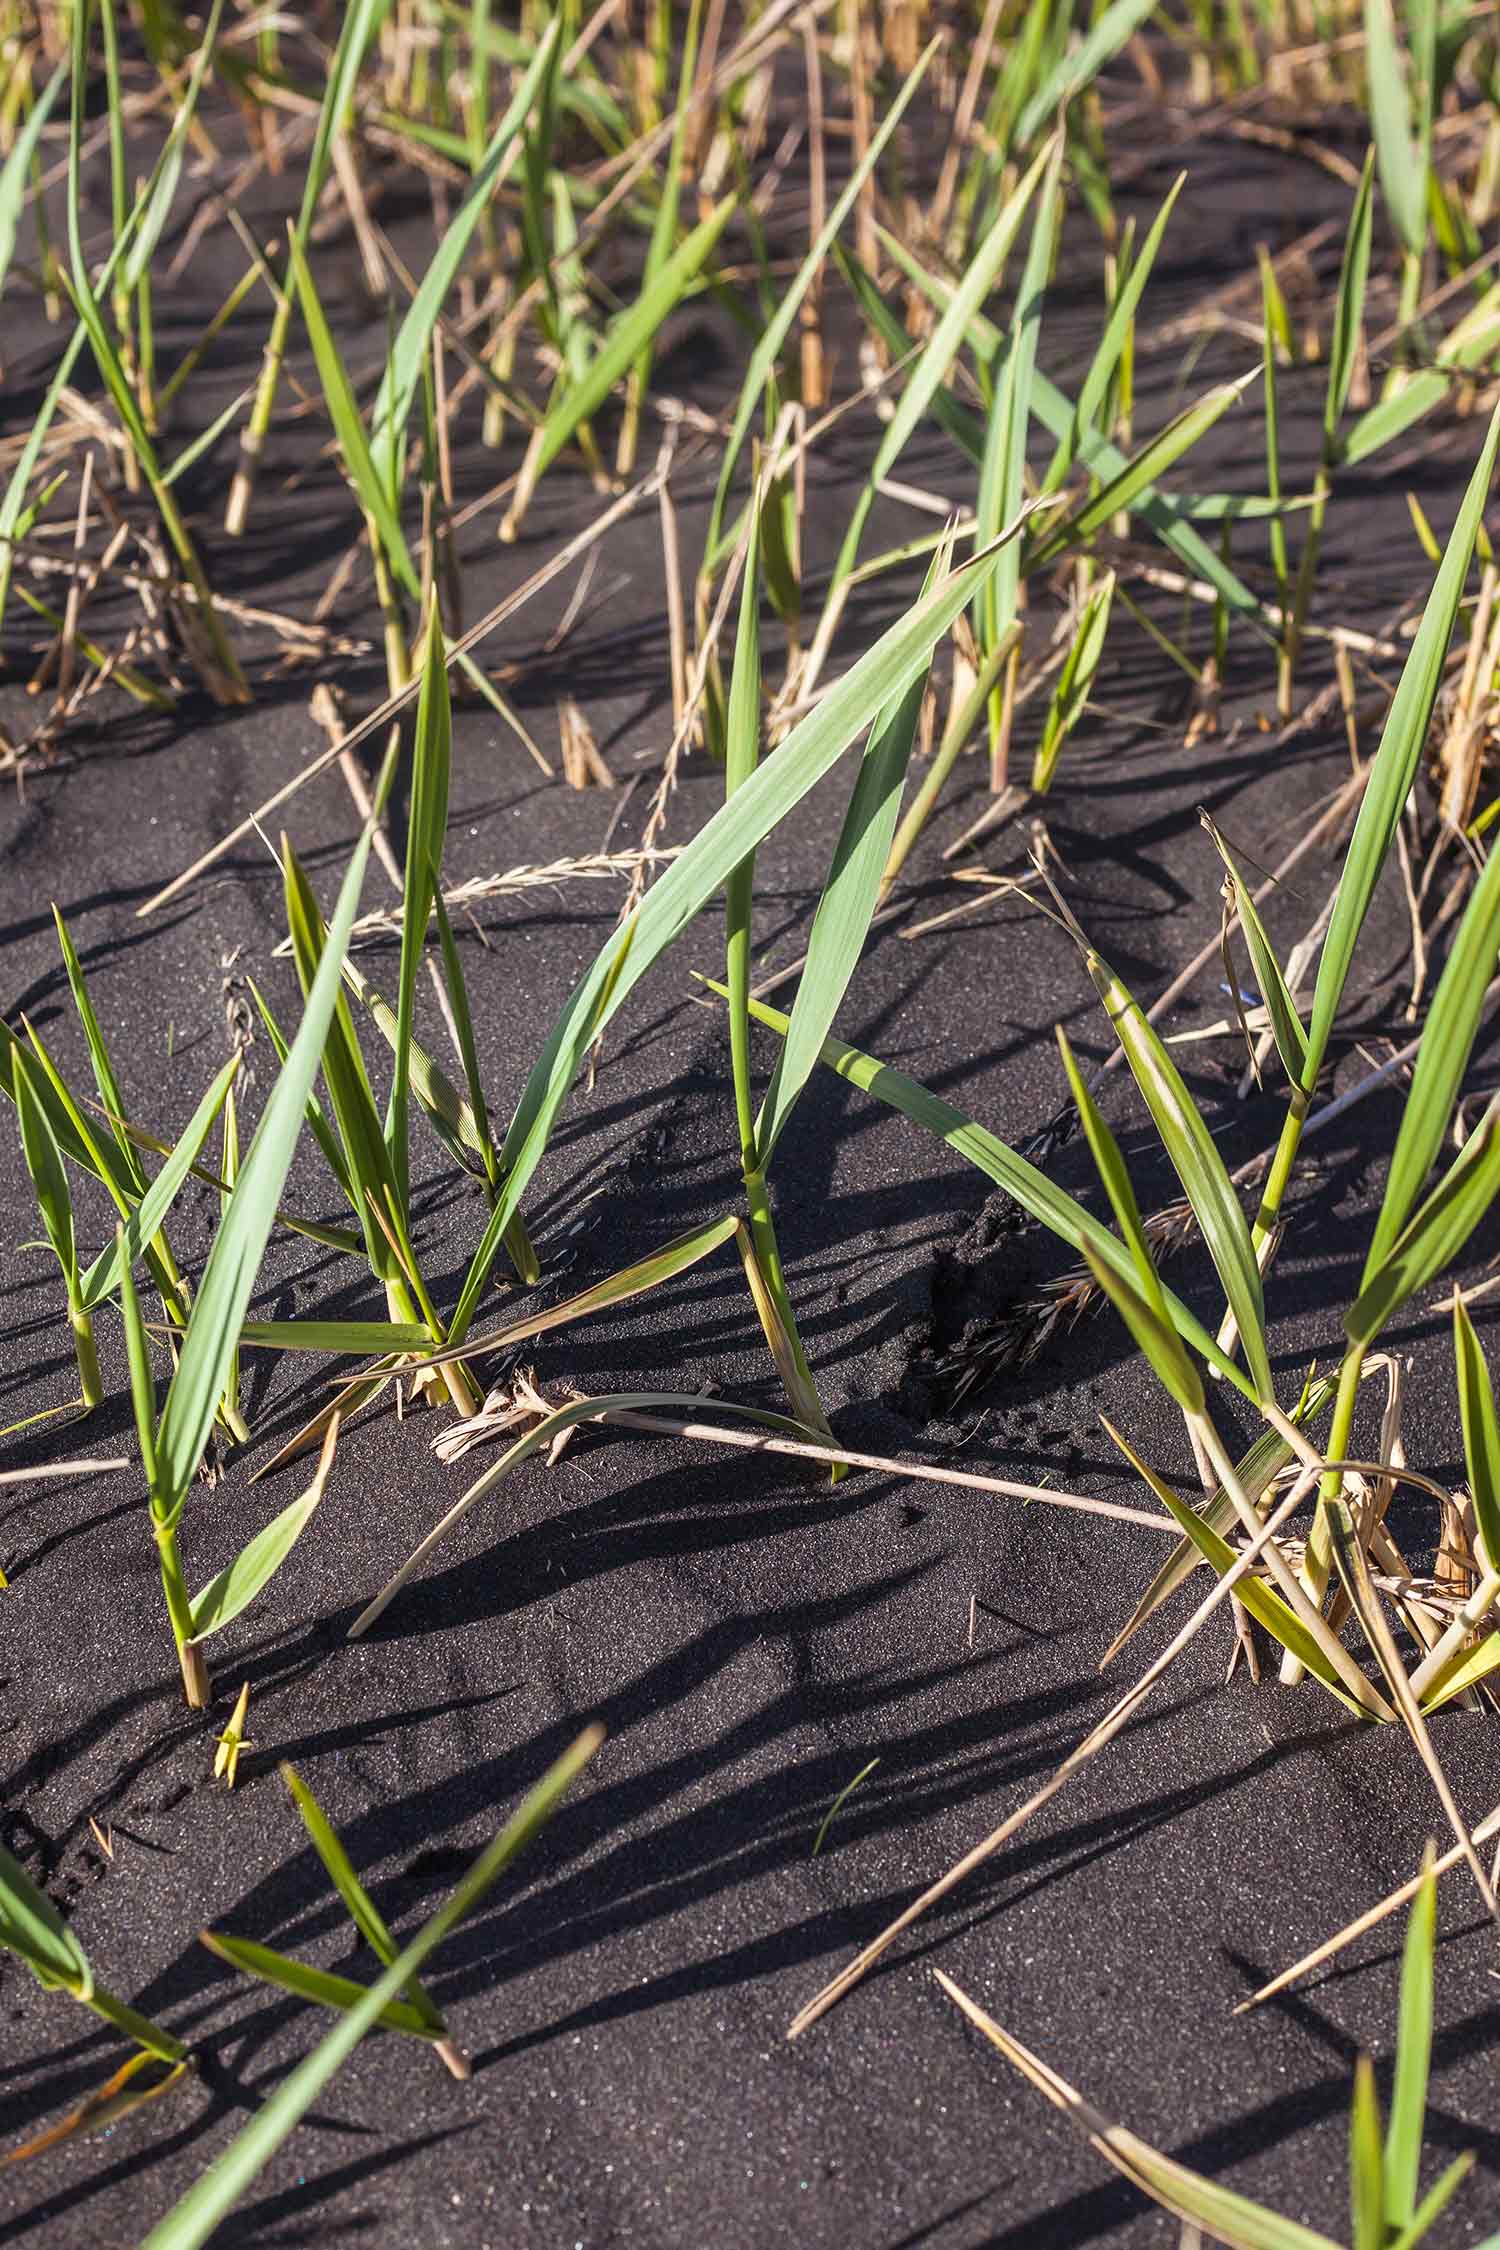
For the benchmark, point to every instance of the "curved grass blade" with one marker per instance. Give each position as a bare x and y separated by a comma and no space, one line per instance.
1403,2134
193,2218
145,1221
777,786
1481,1428
1140,1301
1442,1058
218,1312
403,371
1050,1205
1198,1165
320,1986
257,1563
1435,1234
1395,763
1286,1025
764,357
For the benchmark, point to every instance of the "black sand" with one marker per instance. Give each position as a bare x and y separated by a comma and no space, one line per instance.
750,1637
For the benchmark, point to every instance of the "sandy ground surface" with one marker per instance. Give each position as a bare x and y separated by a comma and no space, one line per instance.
751,1637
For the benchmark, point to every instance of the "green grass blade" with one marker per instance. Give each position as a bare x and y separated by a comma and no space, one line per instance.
1002,469
1050,1205
1140,1302
371,490
773,791
1435,2202
1481,1428
1349,311
364,1912
1137,474
1447,1043
403,374
1395,763
1267,1457
673,1258
233,1263
138,1359
1094,390
343,1072
630,333
1435,1234
1366,2179
841,922
99,1055
32,1928
1198,1165
1070,696
146,1220
361,1337
236,1587
17,166
1470,345
320,1986
1264,1604
48,1175
194,2217
1076,72
937,355
426,833
763,359
1403,2137
1286,1025
1403,176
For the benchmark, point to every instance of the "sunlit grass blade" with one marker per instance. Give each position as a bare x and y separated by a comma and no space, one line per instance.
1077,70
1403,170
194,2217
1074,682
1319,1652
1395,763
1443,1057
1137,474
774,790
1403,2135
234,1261
1197,1163
426,833
1434,1235
1366,2176
32,1928
673,1258
1002,467
622,346
320,1986
362,1337
15,172
1481,1428
927,375
375,495
1139,1300
361,21
145,1221
1265,1460
841,922
1050,1205
1094,390
403,373
236,1587
763,359
1281,1008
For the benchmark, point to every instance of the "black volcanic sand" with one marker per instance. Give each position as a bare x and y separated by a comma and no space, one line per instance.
750,1636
